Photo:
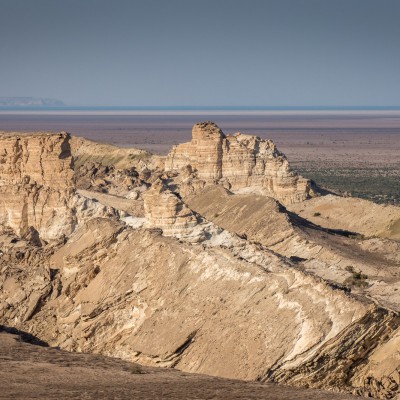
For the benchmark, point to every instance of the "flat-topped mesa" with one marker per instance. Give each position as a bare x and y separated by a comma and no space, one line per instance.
36,182
163,209
43,159
241,161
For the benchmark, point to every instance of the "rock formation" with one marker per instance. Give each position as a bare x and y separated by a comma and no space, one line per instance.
165,210
187,267
36,183
231,311
239,162
331,254
353,214
37,187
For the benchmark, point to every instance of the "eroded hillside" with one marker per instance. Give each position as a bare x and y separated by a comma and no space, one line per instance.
191,261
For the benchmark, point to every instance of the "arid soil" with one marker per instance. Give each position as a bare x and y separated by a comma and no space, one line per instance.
29,371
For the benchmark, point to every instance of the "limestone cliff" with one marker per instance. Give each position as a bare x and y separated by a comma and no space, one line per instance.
37,186
240,162
36,182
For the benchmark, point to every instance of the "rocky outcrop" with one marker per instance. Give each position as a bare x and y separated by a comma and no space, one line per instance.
37,187
239,162
36,184
335,255
217,310
353,214
87,151
353,355
165,210
380,376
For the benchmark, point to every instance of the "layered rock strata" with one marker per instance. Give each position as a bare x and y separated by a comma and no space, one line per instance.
232,311
165,210
37,187
36,184
238,161
335,255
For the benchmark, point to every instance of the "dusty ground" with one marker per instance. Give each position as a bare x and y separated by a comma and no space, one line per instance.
353,152
29,371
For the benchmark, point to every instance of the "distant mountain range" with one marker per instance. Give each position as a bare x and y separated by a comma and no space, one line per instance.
29,102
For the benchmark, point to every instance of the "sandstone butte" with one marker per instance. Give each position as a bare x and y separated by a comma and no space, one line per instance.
209,260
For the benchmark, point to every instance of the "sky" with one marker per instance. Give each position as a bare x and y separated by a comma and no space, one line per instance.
294,53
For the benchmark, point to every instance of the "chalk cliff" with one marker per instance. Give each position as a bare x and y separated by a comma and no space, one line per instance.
37,187
36,184
239,162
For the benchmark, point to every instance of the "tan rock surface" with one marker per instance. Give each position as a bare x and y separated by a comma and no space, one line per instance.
208,310
36,183
85,150
165,210
124,205
326,253
239,161
37,186
381,375
152,317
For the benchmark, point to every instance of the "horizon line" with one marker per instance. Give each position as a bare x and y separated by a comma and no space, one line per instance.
207,113
194,108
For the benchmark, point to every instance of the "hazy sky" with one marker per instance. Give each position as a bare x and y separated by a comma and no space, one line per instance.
202,52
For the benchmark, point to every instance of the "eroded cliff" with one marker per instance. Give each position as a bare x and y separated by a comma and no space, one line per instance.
36,183
37,187
240,162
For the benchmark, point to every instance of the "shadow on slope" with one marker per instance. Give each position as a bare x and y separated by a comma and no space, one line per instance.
28,371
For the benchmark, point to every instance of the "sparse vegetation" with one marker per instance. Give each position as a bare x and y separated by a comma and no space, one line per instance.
381,185
357,278
356,236
317,214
